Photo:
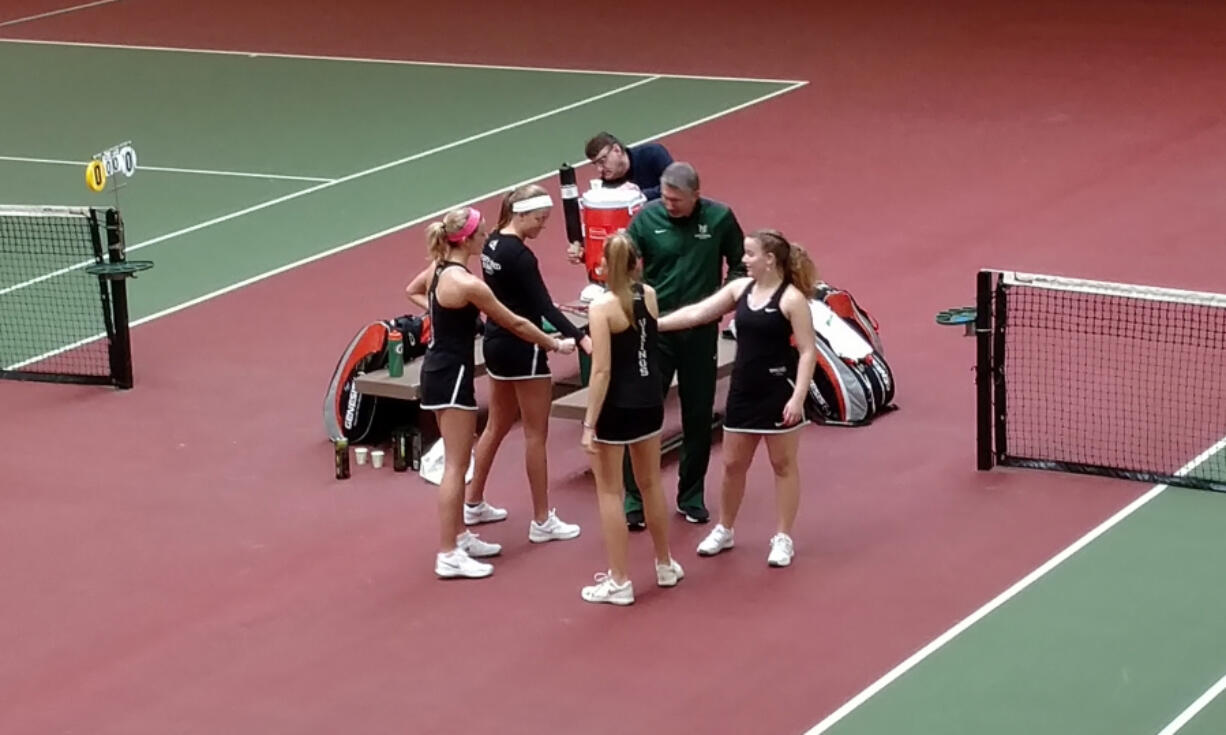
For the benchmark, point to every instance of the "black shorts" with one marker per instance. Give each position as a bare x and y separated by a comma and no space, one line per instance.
618,425
760,410
510,358
449,385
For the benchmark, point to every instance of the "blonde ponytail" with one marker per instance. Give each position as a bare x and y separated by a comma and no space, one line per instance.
621,259
436,241
437,233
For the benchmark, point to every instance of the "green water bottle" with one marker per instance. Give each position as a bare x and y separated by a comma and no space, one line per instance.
395,354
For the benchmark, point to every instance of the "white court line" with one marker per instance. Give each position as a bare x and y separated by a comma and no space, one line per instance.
51,13
933,646
1193,709
168,169
398,62
334,182
396,228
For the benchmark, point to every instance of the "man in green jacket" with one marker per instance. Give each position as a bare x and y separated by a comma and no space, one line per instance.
682,238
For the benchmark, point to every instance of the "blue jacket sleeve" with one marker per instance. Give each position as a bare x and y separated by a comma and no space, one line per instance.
647,163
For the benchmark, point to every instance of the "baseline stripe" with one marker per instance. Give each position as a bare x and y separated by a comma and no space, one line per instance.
51,13
400,62
168,169
1193,709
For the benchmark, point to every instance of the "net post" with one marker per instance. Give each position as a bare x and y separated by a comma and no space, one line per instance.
121,346
1000,408
983,368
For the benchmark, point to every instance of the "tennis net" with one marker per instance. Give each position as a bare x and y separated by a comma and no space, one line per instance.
59,320
1101,378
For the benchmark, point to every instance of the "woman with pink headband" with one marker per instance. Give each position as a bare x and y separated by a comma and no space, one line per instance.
454,299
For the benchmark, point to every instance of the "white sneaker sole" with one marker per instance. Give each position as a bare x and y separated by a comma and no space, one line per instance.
485,555
777,563
669,582
620,601
449,573
541,538
725,547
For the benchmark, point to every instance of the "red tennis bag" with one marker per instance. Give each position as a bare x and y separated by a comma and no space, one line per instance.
347,412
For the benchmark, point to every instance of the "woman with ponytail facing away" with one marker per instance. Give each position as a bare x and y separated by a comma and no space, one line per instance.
455,298
625,412
770,378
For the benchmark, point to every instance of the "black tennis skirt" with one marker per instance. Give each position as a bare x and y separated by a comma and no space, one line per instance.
448,386
618,425
508,357
760,410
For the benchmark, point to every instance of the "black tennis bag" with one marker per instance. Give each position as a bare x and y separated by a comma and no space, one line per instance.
347,412
852,382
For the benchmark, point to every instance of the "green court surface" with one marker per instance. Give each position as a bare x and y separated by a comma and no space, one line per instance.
372,146
1122,637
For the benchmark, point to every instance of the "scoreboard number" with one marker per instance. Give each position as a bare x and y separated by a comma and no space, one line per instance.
117,160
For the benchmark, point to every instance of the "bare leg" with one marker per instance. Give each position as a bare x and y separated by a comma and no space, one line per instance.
738,449
535,398
782,449
457,427
607,467
645,458
503,410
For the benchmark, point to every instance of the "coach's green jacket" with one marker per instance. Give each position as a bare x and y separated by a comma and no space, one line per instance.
681,257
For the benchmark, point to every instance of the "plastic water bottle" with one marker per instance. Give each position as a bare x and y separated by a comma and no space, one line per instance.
395,354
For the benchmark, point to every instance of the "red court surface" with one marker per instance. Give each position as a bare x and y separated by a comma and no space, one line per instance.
179,559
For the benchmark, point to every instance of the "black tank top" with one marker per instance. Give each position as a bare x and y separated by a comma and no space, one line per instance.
634,376
452,331
763,341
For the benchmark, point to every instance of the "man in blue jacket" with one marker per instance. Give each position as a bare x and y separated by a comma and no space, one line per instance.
640,165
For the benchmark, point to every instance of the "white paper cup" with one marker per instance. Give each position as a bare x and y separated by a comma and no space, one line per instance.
360,453
376,458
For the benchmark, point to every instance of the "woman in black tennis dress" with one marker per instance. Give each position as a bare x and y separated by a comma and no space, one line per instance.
521,384
455,298
625,411
775,357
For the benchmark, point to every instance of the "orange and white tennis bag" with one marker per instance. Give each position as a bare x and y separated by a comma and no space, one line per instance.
852,382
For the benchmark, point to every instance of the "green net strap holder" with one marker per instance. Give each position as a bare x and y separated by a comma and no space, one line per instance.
959,315
119,270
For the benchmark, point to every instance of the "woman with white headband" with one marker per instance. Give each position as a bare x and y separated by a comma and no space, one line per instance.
455,298
521,381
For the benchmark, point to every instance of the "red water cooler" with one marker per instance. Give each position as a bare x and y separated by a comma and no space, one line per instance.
605,212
